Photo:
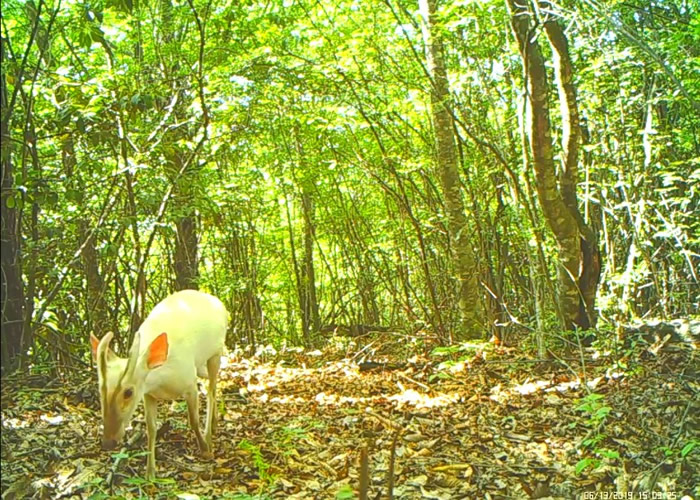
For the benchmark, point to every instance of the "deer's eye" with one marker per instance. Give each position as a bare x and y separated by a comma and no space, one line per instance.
128,393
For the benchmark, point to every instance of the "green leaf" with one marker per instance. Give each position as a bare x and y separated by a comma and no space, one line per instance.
688,448
444,351
602,412
586,463
611,454
345,493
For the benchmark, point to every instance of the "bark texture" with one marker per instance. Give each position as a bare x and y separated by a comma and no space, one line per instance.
98,312
462,254
558,216
310,312
185,260
11,286
589,275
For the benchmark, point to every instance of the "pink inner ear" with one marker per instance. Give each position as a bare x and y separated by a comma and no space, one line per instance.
158,351
94,342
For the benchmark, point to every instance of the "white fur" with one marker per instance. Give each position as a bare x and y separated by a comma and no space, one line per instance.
195,324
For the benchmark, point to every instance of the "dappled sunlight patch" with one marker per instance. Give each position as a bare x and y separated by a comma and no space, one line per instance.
335,399
269,376
575,384
455,368
343,368
35,419
530,387
14,423
52,419
261,387
416,399
259,378
500,394
615,374
226,361
291,399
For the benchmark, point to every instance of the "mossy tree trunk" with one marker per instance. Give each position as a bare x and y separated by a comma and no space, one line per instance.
462,253
589,274
577,245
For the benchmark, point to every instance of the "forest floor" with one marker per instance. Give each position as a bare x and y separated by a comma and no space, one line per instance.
474,422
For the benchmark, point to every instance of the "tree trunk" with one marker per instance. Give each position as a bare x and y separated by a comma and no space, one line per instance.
298,275
310,312
185,260
11,287
99,321
186,272
462,254
589,275
244,271
556,212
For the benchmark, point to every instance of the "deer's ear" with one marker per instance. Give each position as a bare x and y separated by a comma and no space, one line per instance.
94,342
157,351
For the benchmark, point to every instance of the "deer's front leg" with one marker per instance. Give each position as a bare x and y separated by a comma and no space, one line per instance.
150,405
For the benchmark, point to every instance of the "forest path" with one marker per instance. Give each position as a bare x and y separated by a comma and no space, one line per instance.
459,425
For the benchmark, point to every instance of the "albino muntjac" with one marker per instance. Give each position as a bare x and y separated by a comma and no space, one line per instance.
182,338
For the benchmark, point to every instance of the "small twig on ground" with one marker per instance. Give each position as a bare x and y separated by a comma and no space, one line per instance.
364,473
392,461
419,384
385,421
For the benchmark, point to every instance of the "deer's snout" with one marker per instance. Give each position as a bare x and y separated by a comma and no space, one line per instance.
109,444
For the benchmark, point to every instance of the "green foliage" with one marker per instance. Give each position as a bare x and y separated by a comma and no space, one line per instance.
259,462
460,353
345,492
689,447
289,435
586,463
330,103
466,348
128,455
243,496
97,488
594,408
446,351
681,453
141,487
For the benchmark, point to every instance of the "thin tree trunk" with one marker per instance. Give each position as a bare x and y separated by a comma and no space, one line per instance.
186,258
298,275
589,275
186,272
404,205
99,321
311,312
470,321
30,257
241,248
185,261
11,287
